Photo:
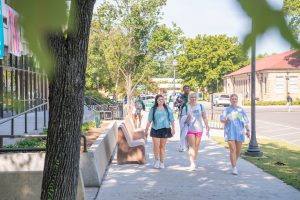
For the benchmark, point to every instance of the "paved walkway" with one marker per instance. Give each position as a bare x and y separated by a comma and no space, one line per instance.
212,179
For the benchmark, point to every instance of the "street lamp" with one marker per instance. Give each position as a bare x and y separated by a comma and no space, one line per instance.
253,149
174,69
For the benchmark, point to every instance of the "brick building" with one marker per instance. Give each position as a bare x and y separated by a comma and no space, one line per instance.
276,75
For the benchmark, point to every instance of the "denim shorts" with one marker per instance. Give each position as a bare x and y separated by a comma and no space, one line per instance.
161,133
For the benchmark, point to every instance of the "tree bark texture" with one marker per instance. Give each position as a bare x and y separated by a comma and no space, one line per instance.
66,101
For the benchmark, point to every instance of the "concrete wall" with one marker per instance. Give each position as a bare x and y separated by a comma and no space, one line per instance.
21,176
94,163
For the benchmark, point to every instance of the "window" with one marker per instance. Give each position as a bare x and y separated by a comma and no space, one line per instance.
293,84
279,84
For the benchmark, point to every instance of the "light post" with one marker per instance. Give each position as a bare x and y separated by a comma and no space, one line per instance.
253,149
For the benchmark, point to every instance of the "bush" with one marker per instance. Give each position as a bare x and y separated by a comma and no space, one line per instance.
269,103
86,126
95,94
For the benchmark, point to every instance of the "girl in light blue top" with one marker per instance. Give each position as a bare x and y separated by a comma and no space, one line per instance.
162,120
235,120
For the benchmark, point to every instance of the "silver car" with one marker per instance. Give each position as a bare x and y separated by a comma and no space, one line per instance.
222,99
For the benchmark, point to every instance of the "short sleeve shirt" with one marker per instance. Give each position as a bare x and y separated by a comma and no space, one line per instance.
195,124
161,118
235,128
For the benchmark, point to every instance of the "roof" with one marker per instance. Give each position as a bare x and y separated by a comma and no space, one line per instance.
286,60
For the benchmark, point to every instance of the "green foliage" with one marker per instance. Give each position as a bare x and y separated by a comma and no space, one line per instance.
29,143
263,18
269,103
86,126
95,94
207,58
165,45
38,19
126,27
291,9
97,72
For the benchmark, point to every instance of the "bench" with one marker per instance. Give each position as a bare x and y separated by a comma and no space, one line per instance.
131,145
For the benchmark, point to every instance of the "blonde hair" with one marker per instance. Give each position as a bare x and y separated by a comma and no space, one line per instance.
191,94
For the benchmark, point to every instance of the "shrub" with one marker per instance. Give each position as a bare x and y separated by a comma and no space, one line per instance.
268,103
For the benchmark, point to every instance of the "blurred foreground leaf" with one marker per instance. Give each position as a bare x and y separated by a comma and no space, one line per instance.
265,17
39,18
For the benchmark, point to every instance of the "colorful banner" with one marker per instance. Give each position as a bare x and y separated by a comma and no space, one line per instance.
14,36
1,33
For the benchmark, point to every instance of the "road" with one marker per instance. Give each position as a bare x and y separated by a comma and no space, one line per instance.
274,122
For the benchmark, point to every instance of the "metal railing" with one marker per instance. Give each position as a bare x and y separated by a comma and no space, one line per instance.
214,119
105,111
35,109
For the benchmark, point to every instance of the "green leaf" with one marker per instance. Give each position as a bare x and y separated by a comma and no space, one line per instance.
37,18
265,17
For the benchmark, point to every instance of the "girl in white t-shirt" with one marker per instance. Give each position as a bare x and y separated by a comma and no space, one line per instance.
194,113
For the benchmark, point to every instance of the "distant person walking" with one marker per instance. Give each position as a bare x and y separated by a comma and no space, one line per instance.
289,102
162,119
236,121
180,102
137,114
193,115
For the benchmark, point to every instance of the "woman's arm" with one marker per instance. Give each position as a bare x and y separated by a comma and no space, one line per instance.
204,117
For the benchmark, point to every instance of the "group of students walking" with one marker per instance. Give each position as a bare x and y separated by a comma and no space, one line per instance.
191,118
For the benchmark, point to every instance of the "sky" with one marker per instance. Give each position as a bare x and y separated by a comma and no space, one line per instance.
213,17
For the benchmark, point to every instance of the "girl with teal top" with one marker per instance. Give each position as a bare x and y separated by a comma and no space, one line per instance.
162,119
236,121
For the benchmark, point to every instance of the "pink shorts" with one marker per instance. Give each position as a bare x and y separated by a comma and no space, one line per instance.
197,134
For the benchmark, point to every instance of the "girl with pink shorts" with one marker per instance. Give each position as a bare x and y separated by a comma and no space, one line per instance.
195,115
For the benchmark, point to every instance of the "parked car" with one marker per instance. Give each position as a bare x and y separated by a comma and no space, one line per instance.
222,99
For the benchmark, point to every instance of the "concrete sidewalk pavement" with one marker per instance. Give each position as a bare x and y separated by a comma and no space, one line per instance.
211,180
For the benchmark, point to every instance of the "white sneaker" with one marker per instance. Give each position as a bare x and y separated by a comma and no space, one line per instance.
235,171
156,164
193,166
161,165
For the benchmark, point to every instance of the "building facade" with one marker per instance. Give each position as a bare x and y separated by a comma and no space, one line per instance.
23,85
276,76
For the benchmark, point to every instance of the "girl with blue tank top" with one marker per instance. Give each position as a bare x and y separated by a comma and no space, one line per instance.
162,119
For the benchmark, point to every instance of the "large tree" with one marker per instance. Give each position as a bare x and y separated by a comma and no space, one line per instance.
207,58
127,26
67,43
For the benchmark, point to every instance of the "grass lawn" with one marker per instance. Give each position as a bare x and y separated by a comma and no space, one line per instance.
281,159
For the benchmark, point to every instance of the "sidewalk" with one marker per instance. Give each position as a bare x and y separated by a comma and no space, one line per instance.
212,180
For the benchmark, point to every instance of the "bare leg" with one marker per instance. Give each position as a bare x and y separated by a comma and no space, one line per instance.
232,148
197,143
162,147
156,142
238,149
140,120
191,141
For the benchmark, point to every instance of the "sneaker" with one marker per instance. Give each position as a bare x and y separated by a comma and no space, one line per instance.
234,171
156,164
180,149
193,166
161,165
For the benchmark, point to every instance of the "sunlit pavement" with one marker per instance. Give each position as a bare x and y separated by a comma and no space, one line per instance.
211,180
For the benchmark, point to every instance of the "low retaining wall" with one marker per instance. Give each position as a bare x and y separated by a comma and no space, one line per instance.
94,163
21,176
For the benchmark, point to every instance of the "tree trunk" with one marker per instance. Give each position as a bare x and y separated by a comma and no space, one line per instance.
128,91
66,99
